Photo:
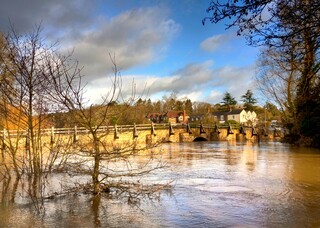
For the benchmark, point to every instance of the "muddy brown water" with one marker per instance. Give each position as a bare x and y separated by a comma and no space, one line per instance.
216,184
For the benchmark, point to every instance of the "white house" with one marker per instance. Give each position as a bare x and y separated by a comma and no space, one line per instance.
252,117
239,115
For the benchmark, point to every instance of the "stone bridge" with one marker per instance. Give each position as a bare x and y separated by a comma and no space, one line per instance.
150,133
207,132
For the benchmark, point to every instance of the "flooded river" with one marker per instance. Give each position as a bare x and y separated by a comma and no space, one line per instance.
215,184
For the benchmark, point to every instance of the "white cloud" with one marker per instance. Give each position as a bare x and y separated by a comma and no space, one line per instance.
197,81
137,37
236,80
213,43
193,76
192,95
215,96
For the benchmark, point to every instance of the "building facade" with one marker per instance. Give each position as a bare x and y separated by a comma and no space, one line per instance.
239,115
169,117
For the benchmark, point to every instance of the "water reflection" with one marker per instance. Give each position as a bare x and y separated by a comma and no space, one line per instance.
250,156
8,190
217,184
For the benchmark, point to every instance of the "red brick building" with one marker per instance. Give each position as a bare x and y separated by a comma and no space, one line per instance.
169,117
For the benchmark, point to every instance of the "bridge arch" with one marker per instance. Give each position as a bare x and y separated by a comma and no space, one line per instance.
200,139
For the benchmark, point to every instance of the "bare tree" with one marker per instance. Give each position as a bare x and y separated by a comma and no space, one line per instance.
290,29
44,81
26,103
278,81
95,156
25,84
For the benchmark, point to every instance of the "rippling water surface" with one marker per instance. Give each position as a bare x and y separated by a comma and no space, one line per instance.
216,184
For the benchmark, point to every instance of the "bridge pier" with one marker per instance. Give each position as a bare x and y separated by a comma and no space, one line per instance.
172,138
241,137
214,136
231,137
185,137
150,139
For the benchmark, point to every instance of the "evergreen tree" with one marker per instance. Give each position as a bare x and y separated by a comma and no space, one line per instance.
188,106
228,101
248,100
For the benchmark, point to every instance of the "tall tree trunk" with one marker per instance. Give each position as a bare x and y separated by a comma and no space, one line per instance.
96,167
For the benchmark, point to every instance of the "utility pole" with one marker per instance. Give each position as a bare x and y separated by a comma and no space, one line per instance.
265,116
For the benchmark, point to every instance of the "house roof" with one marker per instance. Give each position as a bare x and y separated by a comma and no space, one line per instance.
153,114
169,114
174,114
232,112
196,115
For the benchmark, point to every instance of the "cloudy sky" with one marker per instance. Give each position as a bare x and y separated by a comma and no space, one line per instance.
160,46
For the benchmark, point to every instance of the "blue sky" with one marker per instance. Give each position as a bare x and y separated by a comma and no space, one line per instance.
160,45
